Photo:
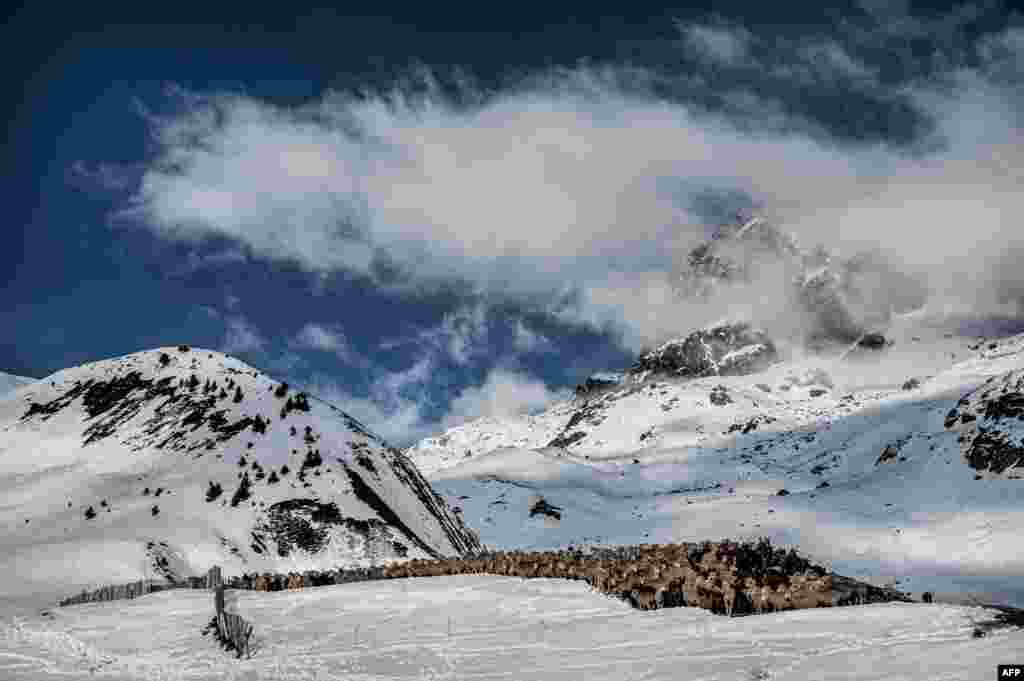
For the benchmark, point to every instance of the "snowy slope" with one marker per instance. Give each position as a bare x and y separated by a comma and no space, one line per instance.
877,484
130,439
9,383
480,627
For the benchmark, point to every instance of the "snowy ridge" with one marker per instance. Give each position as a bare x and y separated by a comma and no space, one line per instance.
875,482
9,383
114,464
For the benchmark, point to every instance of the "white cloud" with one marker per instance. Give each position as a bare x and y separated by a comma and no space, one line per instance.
395,407
103,176
319,337
195,261
532,191
718,44
829,60
526,340
460,335
504,393
240,336
399,421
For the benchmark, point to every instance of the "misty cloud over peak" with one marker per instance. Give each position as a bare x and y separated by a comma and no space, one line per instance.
573,182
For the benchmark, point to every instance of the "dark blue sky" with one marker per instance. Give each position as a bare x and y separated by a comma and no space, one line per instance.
89,91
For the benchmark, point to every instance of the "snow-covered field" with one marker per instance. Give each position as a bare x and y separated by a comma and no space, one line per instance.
479,627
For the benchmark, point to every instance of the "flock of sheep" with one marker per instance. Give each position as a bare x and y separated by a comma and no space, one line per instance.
724,577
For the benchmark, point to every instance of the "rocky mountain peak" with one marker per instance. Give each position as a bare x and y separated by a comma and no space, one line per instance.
731,349
840,298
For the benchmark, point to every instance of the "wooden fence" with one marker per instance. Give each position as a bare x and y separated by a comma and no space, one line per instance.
232,631
116,592
120,591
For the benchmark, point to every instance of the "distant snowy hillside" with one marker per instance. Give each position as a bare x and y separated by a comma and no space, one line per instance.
172,460
856,459
9,383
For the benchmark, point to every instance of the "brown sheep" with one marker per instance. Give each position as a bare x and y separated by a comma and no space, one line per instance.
752,590
644,597
780,599
729,596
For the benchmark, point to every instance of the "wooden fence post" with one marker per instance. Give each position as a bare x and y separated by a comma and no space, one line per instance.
231,628
214,578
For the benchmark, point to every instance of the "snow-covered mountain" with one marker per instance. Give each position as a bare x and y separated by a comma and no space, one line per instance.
900,460
9,383
172,460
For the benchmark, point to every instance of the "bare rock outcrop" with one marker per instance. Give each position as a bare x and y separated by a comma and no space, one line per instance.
990,423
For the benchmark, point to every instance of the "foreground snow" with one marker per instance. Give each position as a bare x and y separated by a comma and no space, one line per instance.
482,627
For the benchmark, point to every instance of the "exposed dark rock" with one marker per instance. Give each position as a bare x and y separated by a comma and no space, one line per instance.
590,409
595,384
564,441
888,454
728,350
719,396
873,341
911,384
302,524
993,451
367,495
367,463
541,506
993,439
